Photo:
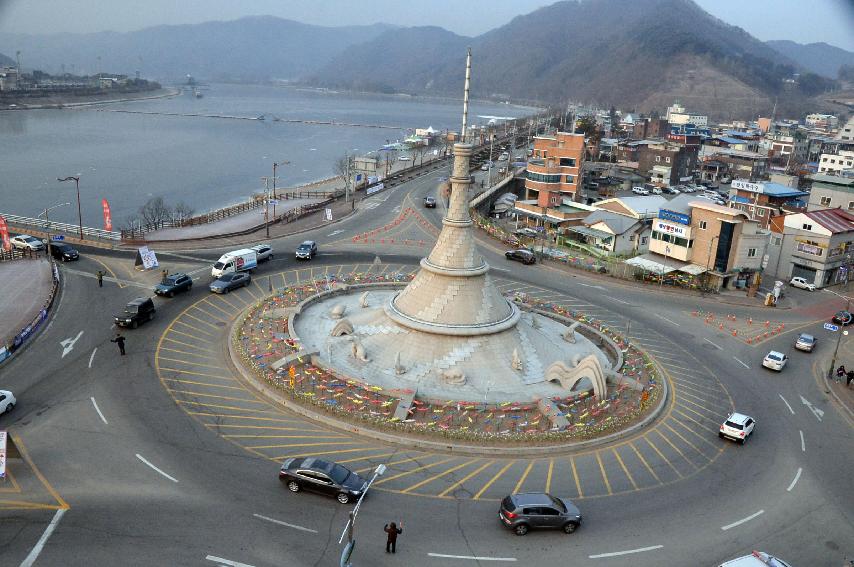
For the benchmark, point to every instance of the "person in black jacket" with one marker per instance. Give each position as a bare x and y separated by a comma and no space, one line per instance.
119,340
393,531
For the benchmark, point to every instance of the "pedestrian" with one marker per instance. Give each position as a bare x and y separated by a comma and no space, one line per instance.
100,275
849,378
393,531
840,372
119,340
163,275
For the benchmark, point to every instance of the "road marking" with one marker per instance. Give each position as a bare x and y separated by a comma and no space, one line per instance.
666,319
228,562
281,523
803,445
787,404
68,344
334,232
741,363
711,343
588,285
627,552
795,480
91,358
492,480
815,411
141,458
743,520
35,551
473,557
97,409
524,476
617,300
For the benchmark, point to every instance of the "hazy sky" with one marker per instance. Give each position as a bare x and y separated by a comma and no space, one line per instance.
803,21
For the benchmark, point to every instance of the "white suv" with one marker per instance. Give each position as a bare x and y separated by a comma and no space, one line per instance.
802,283
756,559
640,191
738,427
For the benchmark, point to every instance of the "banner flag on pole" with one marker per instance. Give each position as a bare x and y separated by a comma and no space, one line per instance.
108,218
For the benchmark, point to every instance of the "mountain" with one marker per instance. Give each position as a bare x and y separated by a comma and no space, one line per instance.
640,54
819,57
6,61
251,48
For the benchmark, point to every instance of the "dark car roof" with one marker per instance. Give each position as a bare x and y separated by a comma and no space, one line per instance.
63,247
310,463
139,300
307,243
229,277
175,277
532,499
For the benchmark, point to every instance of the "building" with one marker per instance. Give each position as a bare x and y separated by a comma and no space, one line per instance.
846,133
784,147
815,245
650,128
740,164
8,79
667,163
764,200
554,169
831,191
824,122
676,114
835,164
614,233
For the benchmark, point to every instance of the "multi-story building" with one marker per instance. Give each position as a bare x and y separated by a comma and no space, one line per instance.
650,128
554,169
824,122
667,163
831,191
836,164
846,133
676,114
783,147
8,78
764,200
740,164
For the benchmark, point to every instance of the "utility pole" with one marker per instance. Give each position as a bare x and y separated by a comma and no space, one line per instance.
76,179
267,204
275,165
351,522
838,337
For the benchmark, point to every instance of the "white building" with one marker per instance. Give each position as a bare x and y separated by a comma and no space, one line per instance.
846,133
822,121
835,164
676,114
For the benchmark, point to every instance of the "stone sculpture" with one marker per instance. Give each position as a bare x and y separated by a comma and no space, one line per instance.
363,300
398,367
588,367
569,334
358,351
338,311
453,377
342,327
516,361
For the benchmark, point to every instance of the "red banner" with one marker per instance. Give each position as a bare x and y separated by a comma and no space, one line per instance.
108,219
4,234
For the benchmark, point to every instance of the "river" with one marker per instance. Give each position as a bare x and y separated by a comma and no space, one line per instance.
205,162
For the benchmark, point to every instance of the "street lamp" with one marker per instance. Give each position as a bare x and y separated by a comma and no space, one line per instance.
839,336
275,165
47,221
76,179
351,522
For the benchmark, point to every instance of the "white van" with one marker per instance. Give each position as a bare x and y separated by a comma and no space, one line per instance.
235,261
756,559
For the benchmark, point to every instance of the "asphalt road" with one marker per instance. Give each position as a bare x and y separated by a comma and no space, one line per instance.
162,457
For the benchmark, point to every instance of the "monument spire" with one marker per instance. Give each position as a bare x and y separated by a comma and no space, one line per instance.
466,98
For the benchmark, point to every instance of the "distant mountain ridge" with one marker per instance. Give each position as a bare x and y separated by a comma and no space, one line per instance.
818,57
6,61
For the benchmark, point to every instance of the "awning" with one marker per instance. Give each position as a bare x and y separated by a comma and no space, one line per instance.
587,231
654,263
693,269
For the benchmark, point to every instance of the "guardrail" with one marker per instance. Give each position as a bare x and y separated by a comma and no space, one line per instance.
10,344
61,227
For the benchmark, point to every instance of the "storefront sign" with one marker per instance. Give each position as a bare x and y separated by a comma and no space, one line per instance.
672,216
748,186
667,228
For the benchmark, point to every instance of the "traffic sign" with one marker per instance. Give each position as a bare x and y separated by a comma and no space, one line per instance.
58,237
273,201
831,327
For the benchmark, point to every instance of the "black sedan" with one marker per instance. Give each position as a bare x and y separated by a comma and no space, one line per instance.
324,477
843,318
170,285
229,282
430,202
522,255
64,252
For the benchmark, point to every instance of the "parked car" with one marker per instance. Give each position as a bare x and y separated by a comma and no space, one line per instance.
640,191
689,189
136,313
656,190
307,250
802,283
263,252
430,202
325,477
775,361
230,282
64,252
521,255
842,318
737,426
27,242
486,166
7,401
173,284
522,511
756,559
805,342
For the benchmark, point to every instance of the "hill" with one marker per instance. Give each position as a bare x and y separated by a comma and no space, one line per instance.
252,48
639,54
819,57
6,61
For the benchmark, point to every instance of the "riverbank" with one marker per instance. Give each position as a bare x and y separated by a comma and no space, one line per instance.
66,102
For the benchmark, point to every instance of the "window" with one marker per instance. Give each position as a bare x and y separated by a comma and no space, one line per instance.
570,179
777,241
751,252
657,158
702,225
760,212
806,226
850,205
825,201
809,247
567,162
543,178
667,159
644,240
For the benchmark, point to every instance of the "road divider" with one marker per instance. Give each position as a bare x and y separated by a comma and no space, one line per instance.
36,551
803,445
741,363
92,357
787,404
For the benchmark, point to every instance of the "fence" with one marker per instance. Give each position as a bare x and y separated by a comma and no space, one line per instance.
12,343
13,254
61,227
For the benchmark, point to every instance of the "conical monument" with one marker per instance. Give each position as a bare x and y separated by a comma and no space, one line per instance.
453,294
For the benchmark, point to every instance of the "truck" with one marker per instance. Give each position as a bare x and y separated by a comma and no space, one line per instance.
242,260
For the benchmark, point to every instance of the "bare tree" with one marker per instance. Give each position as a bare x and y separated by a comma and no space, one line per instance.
182,211
343,168
155,211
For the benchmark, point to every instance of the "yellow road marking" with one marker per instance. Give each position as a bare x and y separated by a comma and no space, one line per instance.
464,479
225,300
689,418
112,273
690,444
201,348
262,290
283,457
296,273
330,436
625,470
257,418
207,301
703,416
191,363
205,384
575,476
288,446
26,456
391,464
200,394
377,456
340,269
252,293
649,468
604,474
223,407
492,480
173,330
211,325
663,458
696,386
524,476
682,393
273,427
701,437
205,356
438,476
15,487
284,281
195,329
197,373
675,448
415,470
549,475
702,407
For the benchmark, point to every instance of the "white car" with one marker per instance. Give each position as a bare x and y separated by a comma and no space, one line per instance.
737,426
656,191
802,283
7,401
23,241
640,191
756,559
775,361
264,252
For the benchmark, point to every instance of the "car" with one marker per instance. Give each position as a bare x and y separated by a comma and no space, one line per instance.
325,477
64,252
174,283
27,242
805,342
756,559
656,190
802,283
522,511
502,169
737,426
640,191
775,361
7,401
521,255
430,202
228,282
842,318
307,250
136,313
486,166
404,158
689,189
263,252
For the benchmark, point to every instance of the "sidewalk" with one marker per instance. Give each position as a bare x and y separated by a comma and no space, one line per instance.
26,287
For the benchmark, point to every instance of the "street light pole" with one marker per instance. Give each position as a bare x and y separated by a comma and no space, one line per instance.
76,179
351,522
275,165
839,336
47,222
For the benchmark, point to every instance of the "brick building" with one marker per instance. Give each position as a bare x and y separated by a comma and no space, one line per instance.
554,169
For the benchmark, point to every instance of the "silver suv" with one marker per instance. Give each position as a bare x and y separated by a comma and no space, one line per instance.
523,511
307,250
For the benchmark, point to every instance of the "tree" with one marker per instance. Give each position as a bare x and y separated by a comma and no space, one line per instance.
155,211
587,125
343,168
182,211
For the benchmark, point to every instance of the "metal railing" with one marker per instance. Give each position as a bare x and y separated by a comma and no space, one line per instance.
71,229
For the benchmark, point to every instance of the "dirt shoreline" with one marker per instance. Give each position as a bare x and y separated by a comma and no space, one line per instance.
65,102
